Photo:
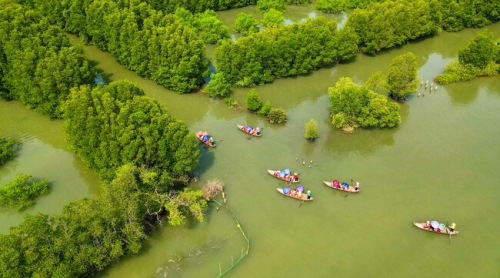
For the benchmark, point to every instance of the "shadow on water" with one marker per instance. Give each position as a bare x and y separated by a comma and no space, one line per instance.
206,161
463,93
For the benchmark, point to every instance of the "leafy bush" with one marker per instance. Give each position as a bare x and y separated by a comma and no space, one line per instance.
402,76
480,51
7,149
231,102
277,116
330,6
312,131
264,111
218,86
253,100
245,24
265,5
457,72
354,105
22,191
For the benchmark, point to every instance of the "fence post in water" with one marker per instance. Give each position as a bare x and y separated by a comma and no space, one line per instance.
220,271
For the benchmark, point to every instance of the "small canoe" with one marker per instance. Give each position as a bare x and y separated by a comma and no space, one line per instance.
199,135
242,128
275,174
350,189
304,195
446,231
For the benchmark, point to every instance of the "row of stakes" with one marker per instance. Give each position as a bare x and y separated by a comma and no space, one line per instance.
427,85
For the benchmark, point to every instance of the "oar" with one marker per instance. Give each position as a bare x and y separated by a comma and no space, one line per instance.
301,203
218,140
349,189
449,231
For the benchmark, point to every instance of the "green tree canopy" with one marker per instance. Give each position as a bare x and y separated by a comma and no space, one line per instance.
480,51
253,101
245,24
312,131
22,191
218,86
356,106
7,149
116,124
402,76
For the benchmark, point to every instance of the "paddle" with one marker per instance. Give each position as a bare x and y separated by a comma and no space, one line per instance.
349,189
218,140
449,231
301,203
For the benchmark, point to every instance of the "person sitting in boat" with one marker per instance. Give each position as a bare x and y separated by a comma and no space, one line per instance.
299,195
249,129
452,227
212,141
293,193
277,173
295,177
205,138
287,177
308,194
357,186
257,131
426,225
335,184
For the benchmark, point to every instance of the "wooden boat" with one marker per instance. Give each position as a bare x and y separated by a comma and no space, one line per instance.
199,135
350,189
242,128
446,231
304,195
275,174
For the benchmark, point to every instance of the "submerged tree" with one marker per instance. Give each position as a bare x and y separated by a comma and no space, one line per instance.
402,76
355,106
312,131
253,101
7,149
22,191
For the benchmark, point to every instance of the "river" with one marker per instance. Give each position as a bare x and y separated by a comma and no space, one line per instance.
440,163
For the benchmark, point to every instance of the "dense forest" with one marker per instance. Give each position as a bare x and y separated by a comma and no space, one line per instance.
144,156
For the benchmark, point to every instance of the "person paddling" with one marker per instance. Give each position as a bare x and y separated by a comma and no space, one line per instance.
308,194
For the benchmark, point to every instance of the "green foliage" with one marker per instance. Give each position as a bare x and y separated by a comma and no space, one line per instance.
245,24
8,149
480,51
183,203
264,6
218,86
231,102
377,82
402,76
264,111
211,28
22,191
253,101
481,57
198,6
277,116
330,6
354,105
392,23
39,65
285,51
456,72
273,18
312,131
153,44
116,124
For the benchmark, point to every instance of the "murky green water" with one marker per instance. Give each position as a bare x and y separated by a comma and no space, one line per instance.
441,163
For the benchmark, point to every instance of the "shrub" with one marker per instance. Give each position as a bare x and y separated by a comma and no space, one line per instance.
312,131
277,116
264,111
218,86
253,100
7,149
22,191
